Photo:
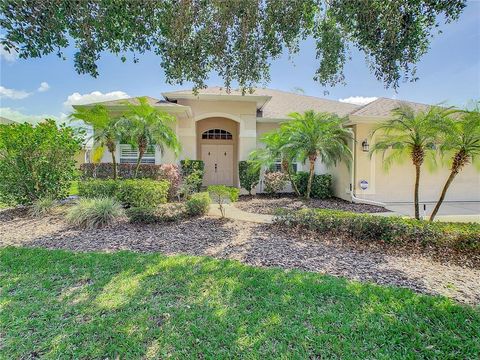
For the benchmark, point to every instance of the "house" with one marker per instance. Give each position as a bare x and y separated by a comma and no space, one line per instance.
222,128
5,121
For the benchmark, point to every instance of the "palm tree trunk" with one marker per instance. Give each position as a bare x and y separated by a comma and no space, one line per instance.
415,195
286,168
141,152
442,196
310,176
114,161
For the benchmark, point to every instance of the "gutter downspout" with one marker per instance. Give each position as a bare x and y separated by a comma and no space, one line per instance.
353,197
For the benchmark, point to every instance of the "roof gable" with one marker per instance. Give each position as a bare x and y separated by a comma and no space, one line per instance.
383,107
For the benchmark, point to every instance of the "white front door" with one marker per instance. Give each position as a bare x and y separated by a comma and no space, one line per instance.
218,161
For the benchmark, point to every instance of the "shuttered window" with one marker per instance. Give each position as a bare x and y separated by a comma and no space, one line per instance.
129,155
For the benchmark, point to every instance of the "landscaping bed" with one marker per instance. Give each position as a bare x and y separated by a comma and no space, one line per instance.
259,245
267,204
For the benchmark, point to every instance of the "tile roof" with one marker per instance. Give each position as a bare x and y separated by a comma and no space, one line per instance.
134,100
282,103
382,107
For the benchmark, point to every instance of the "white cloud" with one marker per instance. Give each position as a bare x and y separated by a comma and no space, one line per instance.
93,97
358,100
8,56
17,116
43,87
12,93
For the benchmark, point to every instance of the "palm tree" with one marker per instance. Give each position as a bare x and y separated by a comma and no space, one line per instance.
410,134
275,148
461,141
106,128
146,126
311,135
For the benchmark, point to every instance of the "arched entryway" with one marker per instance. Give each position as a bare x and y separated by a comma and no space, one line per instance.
217,146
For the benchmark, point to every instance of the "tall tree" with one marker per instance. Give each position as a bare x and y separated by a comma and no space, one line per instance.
313,135
275,149
144,126
460,142
410,134
106,128
236,39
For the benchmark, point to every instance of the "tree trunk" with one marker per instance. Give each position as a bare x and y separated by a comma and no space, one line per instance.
112,149
460,160
310,176
286,168
142,147
415,195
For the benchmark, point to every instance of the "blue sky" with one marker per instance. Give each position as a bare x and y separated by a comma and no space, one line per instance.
449,72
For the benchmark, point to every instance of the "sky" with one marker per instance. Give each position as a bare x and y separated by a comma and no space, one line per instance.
33,89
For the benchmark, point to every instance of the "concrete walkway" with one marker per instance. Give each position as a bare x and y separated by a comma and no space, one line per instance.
456,211
231,212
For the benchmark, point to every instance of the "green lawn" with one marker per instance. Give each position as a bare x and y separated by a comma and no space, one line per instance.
73,188
58,304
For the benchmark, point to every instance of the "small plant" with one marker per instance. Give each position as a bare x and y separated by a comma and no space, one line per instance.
249,175
42,207
94,213
275,182
190,185
143,192
221,194
198,204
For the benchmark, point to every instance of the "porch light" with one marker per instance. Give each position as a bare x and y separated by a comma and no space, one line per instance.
365,145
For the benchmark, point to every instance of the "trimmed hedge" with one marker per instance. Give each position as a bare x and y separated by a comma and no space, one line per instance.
321,185
96,188
143,192
198,204
457,236
249,175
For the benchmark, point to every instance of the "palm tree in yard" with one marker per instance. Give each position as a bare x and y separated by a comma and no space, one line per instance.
146,126
461,143
413,135
314,135
275,149
106,128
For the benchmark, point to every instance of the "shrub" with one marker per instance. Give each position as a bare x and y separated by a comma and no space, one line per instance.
94,213
460,237
274,182
321,185
198,204
189,166
42,207
249,175
170,212
36,161
143,214
143,192
96,188
192,173
221,194
171,173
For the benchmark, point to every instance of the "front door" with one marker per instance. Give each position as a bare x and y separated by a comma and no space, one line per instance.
218,161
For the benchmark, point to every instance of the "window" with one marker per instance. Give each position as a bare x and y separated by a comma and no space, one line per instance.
129,155
217,134
278,166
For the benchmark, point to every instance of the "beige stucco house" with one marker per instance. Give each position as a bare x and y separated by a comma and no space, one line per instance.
222,128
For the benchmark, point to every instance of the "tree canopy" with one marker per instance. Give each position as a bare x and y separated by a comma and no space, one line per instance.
236,38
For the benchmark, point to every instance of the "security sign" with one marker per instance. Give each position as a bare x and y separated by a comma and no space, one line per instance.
363,184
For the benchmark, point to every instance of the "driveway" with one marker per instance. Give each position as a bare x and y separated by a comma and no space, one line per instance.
466,211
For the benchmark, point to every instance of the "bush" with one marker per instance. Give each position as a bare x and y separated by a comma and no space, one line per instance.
42,207
163,213
192,173
96,188
36,161
249,175
94,213
143,192
171,173
274,182
221,193
321,185
190,185
198,204
143,214
460,237
189,166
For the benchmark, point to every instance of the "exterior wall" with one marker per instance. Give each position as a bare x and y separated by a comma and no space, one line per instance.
397,184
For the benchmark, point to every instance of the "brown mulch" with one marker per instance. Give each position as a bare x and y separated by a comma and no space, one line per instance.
254,244
265,204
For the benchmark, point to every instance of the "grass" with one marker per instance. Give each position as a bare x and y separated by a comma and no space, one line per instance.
73,188
58,304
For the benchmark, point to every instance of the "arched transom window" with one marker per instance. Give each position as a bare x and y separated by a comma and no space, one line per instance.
217,134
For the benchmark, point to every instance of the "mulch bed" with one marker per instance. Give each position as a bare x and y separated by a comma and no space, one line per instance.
254,244
265,204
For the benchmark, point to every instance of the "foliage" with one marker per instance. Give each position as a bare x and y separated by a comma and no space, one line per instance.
410,134
198,204
36,161
236,39
460,144
189,166
107,130
145,126
220,194
92,298
249,175
143,192
143,214
42,207
321,185
170,212
275,182
94,213
171,173
97,188
364,227
192,173
190,184
314,135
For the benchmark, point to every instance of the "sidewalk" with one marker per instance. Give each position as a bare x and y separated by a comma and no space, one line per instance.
231,212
